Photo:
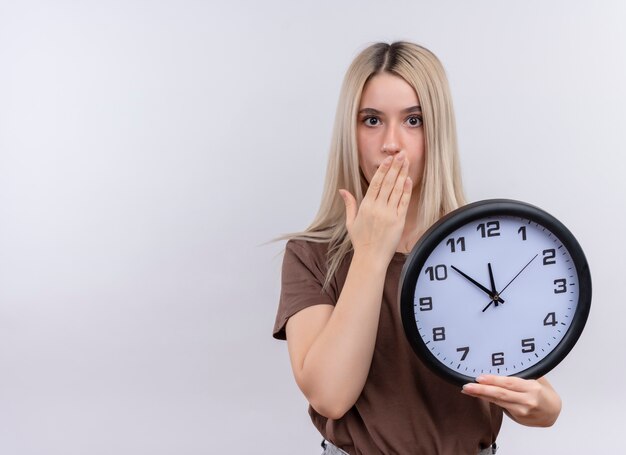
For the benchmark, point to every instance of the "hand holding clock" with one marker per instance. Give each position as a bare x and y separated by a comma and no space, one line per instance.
527,401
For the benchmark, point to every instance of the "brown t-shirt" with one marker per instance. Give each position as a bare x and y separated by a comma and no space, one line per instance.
404,408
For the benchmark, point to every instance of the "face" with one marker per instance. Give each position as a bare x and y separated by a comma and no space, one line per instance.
389,122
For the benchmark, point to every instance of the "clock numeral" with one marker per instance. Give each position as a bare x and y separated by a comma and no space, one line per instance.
497,359
549,257
460,241
561,286
464,350
426,303
522,230
528,345
550,319
492,229
439,272
439,333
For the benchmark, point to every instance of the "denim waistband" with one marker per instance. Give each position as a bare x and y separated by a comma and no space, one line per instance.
331,449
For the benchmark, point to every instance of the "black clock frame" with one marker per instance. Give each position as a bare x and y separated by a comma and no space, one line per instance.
460,217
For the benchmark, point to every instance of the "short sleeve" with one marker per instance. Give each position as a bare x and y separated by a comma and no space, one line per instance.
303,275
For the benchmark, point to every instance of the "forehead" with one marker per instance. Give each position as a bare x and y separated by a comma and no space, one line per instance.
387,92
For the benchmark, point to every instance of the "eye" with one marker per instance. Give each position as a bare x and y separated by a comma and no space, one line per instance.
414,121
371,121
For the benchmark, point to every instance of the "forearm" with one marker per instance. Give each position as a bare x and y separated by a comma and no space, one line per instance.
336,366
337,353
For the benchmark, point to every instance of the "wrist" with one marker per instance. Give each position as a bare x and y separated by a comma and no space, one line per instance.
372,263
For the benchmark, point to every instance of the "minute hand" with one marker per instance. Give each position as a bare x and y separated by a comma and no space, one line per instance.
476,283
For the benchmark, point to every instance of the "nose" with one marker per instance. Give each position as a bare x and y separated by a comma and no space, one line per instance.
391,144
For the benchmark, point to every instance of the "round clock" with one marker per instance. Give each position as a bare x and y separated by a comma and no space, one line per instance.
498,287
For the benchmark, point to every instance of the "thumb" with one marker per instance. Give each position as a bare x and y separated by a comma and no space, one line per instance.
350,203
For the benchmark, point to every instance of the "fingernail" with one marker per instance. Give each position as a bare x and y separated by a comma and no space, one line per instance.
400,157
480,378
388,160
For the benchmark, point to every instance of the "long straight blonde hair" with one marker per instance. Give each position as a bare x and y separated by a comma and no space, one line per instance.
441,186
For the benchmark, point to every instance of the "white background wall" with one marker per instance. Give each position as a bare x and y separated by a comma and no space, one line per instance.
149,148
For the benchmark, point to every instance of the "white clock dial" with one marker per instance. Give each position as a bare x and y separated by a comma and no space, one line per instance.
497,287
534,277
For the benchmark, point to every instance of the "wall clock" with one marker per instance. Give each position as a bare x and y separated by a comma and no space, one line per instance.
498,287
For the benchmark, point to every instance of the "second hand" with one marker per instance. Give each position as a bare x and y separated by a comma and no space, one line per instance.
518,274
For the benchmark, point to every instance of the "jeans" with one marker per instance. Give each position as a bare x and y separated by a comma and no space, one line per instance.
331,449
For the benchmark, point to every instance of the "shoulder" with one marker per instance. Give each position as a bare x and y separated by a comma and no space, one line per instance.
302,285
308,251
308,245
307,262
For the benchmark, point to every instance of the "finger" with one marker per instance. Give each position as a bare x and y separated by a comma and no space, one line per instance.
351,208
398,188
390,179
403,205
501,403
517,404
507,382
377,180
498,395
510,407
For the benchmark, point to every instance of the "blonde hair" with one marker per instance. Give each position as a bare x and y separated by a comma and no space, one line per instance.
441,187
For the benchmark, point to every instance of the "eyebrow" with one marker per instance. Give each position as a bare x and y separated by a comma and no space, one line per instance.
408,110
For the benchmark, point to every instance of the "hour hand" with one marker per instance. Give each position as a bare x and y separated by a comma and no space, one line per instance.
493,282
477,284
494,292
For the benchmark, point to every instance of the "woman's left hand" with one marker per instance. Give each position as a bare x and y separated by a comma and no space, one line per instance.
529,402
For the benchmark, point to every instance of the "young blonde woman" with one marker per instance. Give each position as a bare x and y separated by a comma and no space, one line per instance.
393,171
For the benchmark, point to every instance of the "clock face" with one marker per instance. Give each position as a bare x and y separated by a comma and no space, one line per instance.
497,287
